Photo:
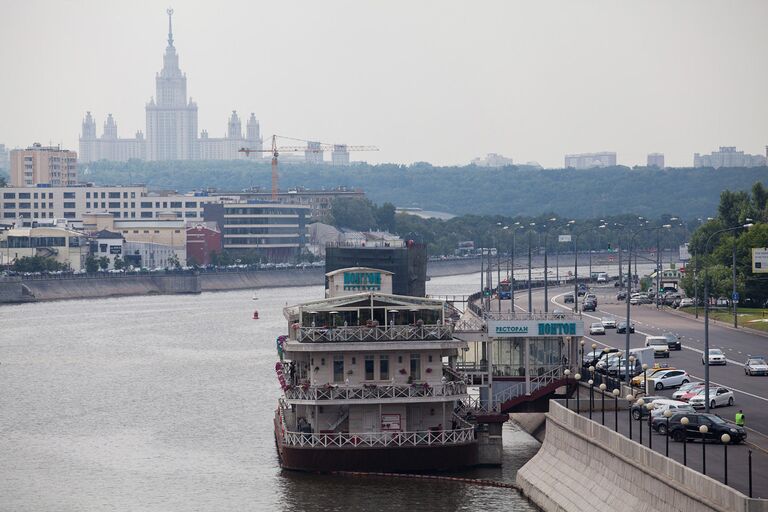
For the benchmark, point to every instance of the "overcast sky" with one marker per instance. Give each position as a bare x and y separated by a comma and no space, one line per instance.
438,81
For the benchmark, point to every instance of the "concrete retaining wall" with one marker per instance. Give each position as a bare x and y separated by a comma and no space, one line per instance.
583,465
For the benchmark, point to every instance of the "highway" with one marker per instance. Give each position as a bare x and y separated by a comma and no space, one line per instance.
751,393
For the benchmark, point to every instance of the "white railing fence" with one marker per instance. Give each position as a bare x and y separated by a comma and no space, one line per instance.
378,333
373,391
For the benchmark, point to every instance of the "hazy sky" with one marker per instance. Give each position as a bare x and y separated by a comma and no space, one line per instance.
441,81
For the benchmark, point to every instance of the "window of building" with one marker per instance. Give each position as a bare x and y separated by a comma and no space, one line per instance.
178,231
190,214
157,205
369,365
338,368
175,204
136,231
103,204
9,215
133,195
87,204
114,204
146,231
146,215
133,205
87,195
69,215
9,205
416,366
125,204
24,195
133,215
24,206
125,195
34,195
145,204
50,195
9,195
383,367
115,214
69,205
113,195
190,204
69,195
157,231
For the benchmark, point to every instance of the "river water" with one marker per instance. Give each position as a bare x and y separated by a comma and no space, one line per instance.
165,403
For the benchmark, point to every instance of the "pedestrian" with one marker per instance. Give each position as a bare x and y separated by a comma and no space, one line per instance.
740,418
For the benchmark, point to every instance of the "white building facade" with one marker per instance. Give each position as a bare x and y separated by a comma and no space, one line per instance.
727,156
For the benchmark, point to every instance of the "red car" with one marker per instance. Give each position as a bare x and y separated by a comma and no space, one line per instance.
690,394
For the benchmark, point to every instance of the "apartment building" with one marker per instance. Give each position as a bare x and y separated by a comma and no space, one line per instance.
48,165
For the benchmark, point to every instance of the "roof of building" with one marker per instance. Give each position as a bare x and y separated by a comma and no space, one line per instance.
105,233
357,269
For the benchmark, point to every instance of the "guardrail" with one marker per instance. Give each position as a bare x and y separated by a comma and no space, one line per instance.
379,439
431,332
373,391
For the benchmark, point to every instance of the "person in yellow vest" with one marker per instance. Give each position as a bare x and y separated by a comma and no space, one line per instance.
740,418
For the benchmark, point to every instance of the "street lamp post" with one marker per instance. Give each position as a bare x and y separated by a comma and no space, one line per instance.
703,430
577,378
641,405
684,422
706,311
630,401
591,389
575,239
567,373
546,269
650,406
602,401
530,291
667,415
616,394
725,439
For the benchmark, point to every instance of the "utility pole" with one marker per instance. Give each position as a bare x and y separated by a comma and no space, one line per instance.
530,293
733,296
658,267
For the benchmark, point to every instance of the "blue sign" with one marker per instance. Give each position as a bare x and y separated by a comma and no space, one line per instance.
735,296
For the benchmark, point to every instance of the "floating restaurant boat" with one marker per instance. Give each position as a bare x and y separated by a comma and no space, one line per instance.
369,383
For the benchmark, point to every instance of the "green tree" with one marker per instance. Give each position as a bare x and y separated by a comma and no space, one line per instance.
174,261
353,213
103,263
385,217
118,263
91,264
37,264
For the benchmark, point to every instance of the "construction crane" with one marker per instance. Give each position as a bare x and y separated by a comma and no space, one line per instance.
311,147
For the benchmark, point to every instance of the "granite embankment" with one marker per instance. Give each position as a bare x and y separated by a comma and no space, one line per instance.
16,289
583,465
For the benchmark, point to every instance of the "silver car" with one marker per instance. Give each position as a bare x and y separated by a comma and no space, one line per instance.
717,397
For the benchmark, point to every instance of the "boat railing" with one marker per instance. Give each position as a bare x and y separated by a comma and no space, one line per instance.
375,391
463,435
374,333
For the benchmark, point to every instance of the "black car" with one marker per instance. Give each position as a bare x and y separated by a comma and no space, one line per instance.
673,341
621,328
568,299
716,425
622,295
589,305
641,411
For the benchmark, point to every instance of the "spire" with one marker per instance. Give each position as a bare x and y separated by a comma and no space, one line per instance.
170,27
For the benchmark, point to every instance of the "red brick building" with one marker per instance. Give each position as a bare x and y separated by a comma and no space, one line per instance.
202,240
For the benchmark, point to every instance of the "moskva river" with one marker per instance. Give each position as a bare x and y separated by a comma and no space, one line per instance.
165,403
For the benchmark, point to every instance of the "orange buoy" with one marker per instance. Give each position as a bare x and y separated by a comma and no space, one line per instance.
256,314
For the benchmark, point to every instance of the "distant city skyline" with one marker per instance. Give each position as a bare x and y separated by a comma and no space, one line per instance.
523,79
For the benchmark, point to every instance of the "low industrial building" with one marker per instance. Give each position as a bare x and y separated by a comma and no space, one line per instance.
66,246
203,240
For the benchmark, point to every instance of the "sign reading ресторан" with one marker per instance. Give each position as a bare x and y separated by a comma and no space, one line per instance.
362,281
533,328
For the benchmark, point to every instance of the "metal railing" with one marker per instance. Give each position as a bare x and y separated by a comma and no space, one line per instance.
378,333
462,435
373,391
537,382
536,315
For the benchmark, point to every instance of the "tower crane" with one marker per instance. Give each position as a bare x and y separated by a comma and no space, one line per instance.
312,146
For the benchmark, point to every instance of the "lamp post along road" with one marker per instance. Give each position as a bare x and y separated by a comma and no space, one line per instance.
530,292
703,430
706,309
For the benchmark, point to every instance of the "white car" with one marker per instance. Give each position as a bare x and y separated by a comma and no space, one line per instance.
686,303
662,404
608,323
669,379
685,388
717,397
755,366
659,345
716,356
596,328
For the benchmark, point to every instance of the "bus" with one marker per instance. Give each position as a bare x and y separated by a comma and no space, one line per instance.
505,290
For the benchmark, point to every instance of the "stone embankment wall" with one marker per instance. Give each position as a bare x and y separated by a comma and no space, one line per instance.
583,465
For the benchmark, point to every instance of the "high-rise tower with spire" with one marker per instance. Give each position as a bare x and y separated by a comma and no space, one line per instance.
171,118
171,125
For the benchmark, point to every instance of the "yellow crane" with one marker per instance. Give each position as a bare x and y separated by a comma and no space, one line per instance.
311,146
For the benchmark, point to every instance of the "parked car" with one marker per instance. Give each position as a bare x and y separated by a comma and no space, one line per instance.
597,328
716,356
717,397
756,366
608,323
649,373
569,299
659,345
670,379
621,328
673,341
722,302
661,406
686,303
641,411
622,295
686,388
716,427
595,356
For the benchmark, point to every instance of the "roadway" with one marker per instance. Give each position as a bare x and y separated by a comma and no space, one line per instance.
750,393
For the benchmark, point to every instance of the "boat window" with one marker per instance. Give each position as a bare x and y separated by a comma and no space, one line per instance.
416,366
383,367
338,368
369,361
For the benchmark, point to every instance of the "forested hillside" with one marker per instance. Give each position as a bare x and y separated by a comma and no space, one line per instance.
688,193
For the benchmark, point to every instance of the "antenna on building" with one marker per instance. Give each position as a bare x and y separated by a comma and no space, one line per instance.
170,27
